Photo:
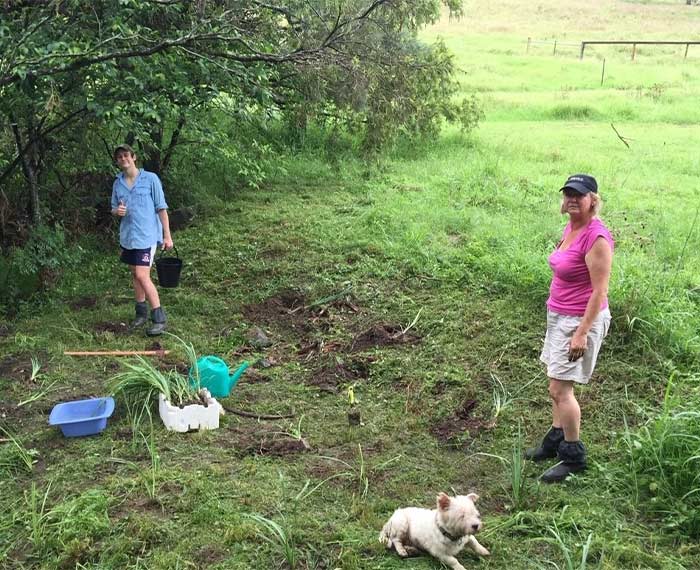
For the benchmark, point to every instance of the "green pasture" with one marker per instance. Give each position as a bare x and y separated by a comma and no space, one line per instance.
420,281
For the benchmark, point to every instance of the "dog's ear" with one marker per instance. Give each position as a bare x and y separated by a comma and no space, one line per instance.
443,502
473,496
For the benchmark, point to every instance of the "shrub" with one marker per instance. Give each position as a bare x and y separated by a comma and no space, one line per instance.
38,264
664,460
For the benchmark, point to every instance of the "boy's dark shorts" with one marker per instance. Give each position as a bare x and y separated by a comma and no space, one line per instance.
143,257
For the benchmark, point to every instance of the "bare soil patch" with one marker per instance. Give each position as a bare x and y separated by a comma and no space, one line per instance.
264,443
383,334
87,302
293,310
333,373
15,367
9,412
209,554
252,376
116,328
137,504
449,429
286,309
18,367
168,363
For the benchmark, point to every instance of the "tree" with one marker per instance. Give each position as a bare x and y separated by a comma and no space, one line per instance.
76,77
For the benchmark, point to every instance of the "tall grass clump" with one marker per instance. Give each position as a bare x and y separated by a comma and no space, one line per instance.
278,537
15,457
569,112
664,460
571,562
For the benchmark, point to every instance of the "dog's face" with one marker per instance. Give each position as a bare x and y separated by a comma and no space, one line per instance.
459,514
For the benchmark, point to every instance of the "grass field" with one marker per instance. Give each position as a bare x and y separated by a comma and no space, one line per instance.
420,282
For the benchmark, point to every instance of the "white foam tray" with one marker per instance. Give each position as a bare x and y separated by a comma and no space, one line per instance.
192,417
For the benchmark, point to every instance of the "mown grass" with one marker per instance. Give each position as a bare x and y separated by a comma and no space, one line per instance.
448,243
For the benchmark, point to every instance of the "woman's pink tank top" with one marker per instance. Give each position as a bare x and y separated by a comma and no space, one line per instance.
571,286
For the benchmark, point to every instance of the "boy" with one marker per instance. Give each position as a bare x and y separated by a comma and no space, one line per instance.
138,199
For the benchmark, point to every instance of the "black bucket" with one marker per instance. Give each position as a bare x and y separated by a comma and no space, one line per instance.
168,269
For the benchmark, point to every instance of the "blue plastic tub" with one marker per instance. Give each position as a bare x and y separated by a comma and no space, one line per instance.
82,417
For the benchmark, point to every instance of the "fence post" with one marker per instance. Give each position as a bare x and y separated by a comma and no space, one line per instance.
527,50
634,49
583,46
686,51
602,75
555,48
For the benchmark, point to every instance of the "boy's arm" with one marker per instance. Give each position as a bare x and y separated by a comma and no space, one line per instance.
165,221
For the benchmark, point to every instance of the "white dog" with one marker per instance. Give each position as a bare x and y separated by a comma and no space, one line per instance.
442,532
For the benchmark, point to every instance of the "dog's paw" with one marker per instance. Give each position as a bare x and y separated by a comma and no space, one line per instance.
483,552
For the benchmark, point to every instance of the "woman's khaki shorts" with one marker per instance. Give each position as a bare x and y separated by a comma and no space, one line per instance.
555,353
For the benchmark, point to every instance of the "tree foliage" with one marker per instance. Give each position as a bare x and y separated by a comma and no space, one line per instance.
77,77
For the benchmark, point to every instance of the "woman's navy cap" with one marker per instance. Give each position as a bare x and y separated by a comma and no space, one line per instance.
582,183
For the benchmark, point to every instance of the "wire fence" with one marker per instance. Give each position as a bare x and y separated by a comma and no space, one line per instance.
553,43
582,45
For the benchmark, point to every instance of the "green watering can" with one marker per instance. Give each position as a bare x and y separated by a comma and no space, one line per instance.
215,377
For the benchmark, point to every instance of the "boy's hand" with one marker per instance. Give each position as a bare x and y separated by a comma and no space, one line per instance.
167,243
121,209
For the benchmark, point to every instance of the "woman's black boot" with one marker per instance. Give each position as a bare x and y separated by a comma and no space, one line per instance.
549,446
572,456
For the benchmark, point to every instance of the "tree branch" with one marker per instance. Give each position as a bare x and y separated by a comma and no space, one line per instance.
23,150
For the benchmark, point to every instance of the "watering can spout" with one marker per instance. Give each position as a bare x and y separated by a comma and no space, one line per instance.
237,374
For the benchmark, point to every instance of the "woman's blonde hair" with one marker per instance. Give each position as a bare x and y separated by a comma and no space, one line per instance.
596,204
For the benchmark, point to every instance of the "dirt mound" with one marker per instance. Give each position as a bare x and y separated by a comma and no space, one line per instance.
83,303
15,367
168,364
383,334
286,310
270,443
292,310
209,554
334,373
461,421
116,328
18,367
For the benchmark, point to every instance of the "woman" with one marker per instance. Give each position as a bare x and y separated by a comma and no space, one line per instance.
577,321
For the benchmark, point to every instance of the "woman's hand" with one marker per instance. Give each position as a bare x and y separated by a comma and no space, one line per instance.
578,346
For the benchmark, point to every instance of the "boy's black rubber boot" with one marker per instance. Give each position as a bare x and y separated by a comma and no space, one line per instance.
158,327
549,447
572,455
141,316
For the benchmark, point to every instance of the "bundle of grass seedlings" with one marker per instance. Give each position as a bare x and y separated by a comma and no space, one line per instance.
138,387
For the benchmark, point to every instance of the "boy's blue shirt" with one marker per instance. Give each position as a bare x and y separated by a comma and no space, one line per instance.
141,227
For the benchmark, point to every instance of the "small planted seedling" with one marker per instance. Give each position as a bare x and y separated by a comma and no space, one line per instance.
354,415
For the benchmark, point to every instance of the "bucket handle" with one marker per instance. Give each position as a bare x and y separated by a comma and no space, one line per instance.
162,251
